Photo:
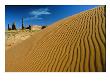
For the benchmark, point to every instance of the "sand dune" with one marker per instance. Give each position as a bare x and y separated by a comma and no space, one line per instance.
76,43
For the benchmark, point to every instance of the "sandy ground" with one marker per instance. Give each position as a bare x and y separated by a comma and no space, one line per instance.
15,37
74,44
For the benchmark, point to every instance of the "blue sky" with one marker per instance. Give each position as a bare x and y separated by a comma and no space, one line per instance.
40,14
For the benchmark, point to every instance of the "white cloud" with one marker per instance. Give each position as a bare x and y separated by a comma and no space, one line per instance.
36,14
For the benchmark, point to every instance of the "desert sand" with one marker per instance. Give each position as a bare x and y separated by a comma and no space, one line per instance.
14,37
73,44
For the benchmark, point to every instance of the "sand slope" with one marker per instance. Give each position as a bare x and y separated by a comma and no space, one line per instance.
14,37
76,43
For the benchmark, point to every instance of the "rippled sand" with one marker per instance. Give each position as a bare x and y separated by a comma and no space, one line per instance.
74,44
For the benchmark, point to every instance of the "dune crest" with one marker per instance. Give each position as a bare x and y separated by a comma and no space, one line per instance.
76,43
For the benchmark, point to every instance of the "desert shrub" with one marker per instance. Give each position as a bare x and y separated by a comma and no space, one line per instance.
43,27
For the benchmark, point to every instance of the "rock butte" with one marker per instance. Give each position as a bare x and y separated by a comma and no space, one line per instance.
76,43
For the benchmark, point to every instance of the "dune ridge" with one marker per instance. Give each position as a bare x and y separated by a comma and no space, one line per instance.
74,44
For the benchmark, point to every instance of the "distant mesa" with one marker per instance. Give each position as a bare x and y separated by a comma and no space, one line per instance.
22,25
24,28
9,27
36,27
14,26
28,27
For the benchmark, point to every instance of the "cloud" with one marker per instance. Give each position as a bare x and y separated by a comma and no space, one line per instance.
36,14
